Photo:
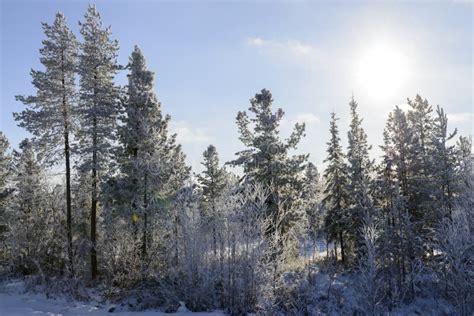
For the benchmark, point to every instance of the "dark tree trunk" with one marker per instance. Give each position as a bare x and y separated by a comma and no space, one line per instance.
214,237
176,236
327,247
342,247
68,200
145,218
67,153
93,253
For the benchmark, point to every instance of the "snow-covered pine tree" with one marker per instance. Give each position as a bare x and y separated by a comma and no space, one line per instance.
464,165
420,197
360,167
266,161
5,173
398,139
98,109
398,243
465,176
29,202
335,199
213,181
444,164
152,163
51,113
389,202
400,187
5,167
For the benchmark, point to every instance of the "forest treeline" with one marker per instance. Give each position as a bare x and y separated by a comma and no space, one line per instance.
126,214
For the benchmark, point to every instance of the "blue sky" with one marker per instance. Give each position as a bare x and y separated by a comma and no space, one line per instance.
211,57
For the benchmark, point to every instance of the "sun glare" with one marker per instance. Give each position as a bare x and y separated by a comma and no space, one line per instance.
381,71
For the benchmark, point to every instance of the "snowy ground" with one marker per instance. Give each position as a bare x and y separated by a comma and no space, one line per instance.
15,303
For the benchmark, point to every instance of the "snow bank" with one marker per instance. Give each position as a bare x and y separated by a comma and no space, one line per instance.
15,303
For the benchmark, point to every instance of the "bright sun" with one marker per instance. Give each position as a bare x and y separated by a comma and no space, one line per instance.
381,71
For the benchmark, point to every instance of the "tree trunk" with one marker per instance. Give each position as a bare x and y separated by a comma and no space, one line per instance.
214,237
67,153
327,247
94,203
176,235
342,247
68,200
145,218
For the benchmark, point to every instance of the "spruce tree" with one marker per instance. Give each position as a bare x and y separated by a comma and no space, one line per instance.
213,181
335,199
151,162
360,167
420,197
51,113
98,109
267,161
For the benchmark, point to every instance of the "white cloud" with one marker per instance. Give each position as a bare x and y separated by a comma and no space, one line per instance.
289,50
461,117
188,134
307,118
256,41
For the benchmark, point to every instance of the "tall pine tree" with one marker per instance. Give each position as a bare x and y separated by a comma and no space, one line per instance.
421,197
98,109
403,246
152,163
51,113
